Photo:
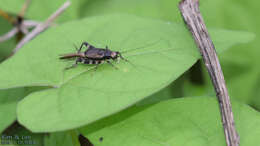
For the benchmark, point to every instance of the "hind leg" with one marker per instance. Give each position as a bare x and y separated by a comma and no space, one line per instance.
75,64
88,46
112,64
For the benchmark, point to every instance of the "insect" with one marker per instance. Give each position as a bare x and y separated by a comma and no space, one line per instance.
94,55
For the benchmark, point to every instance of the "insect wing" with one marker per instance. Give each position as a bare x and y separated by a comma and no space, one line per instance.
95,53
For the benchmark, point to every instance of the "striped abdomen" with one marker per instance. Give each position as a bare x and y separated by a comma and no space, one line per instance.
91,61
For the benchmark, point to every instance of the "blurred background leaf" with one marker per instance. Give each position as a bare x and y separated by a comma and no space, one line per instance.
159,9
5,47
8,103
41,10
21,136
240,63
170,123
59,139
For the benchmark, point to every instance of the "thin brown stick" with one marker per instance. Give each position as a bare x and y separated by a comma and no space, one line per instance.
24,8
193,19
7,17
41,27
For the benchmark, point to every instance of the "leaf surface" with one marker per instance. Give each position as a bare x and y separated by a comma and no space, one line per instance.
8,102
59,139
17,135
41,10
159,53
184,122
7,46
9,99
158,9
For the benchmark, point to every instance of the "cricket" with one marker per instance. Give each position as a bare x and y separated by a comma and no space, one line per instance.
94,55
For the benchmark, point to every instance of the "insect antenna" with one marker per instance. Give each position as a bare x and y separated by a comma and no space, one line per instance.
121,57
151,44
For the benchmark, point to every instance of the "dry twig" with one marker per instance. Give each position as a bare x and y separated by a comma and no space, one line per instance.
25,25
24,8
41,27
20,25
9,34
193,19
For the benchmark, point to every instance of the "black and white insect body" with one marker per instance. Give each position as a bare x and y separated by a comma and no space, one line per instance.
94,55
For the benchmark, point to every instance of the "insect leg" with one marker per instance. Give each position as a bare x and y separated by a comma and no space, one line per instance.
75,64
111,64
121,57
95,69
72,66
85,44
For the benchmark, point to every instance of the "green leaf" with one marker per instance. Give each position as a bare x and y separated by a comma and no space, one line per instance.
173,90
167,51
59,139
160,9
256,101
8,102
17,135
239,63
41,10
7,46
117,89
192,90
9,99
182,122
